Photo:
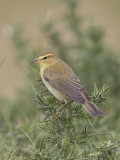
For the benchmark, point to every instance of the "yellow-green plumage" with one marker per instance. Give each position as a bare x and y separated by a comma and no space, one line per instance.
64,84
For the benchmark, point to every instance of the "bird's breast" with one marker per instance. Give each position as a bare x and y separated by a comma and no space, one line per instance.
55,92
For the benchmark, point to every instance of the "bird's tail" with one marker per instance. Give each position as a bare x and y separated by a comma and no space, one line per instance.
92,109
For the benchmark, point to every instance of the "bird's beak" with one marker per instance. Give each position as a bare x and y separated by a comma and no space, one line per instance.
34,60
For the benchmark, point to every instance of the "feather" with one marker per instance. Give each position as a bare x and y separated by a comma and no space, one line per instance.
66,82
93,110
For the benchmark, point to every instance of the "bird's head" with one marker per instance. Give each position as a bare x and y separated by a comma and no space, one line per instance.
46,59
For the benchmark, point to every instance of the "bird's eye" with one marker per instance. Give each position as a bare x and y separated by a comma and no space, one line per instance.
45,57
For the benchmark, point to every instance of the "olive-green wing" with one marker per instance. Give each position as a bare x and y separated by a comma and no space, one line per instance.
69,85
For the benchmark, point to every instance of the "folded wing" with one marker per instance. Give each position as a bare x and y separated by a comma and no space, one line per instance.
69,85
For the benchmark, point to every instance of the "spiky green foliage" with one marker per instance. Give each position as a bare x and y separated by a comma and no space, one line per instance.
60,137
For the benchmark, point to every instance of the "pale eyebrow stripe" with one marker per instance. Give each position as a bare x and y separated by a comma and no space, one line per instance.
46,55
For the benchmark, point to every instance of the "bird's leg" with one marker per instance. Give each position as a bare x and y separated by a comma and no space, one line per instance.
63,106
66,106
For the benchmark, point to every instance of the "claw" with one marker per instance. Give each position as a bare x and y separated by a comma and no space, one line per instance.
63,106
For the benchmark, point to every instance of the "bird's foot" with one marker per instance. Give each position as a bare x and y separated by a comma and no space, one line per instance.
59,115
63,106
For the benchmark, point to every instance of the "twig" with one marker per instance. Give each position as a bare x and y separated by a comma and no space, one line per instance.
2,62
27,136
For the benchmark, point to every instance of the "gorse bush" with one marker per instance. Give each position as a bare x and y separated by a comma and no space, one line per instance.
62,138
40,134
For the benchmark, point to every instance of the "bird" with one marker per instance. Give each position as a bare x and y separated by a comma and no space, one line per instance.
64,84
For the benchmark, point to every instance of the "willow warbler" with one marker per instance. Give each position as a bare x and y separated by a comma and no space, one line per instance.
62,82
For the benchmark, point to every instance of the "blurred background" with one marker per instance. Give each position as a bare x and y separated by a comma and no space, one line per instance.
29,14
85,34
